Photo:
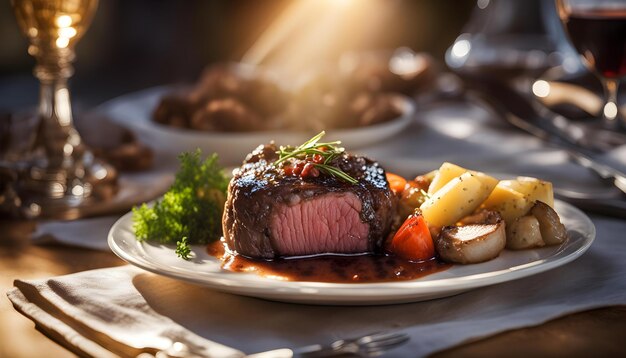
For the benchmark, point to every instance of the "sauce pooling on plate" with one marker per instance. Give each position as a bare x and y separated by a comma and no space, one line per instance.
365,268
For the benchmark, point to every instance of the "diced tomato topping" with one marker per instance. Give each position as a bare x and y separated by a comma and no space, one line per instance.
307,169
297,170
318,159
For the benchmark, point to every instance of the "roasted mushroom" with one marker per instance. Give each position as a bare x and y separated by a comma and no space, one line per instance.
553,231
482,239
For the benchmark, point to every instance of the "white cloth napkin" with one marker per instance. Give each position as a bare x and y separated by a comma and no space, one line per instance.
103,313
89,233
118,307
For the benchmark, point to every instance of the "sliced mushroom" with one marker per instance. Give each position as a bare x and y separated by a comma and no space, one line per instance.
524,233
473,243
553,231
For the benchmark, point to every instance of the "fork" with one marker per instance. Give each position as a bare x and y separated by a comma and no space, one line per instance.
371,345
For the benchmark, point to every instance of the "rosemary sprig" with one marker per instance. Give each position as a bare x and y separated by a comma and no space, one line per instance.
328,151
336,172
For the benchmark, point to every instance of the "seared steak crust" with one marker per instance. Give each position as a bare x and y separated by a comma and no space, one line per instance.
261,194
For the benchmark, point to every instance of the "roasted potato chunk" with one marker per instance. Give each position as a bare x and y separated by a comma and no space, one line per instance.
524,233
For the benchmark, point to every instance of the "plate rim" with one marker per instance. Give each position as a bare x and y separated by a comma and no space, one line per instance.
374,291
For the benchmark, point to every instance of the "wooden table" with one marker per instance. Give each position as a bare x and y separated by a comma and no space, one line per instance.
600,332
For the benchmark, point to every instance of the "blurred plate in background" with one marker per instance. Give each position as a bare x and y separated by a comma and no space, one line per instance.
134,111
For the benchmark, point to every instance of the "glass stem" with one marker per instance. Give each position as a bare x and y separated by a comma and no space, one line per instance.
610,110
56,139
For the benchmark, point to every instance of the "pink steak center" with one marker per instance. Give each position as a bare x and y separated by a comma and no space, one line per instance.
329,223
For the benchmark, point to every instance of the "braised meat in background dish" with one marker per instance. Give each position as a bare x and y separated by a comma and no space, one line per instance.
331,101
241,98
225,99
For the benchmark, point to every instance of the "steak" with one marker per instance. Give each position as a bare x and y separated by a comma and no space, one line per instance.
271,214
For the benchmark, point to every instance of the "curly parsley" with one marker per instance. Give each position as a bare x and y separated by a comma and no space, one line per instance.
183,250
191,210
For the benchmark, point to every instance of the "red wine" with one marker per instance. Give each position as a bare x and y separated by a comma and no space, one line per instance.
599,35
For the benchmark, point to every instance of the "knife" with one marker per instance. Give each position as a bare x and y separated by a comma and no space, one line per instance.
580,156
518,111
536,114
604,171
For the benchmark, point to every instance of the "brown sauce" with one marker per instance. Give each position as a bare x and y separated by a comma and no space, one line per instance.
365,268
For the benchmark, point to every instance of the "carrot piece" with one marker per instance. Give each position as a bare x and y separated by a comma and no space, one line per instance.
396,182
413,241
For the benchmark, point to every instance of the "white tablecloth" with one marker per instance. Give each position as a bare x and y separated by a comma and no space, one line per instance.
458,133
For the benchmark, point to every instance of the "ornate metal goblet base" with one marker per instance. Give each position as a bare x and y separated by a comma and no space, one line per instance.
66,193
59,177
33,185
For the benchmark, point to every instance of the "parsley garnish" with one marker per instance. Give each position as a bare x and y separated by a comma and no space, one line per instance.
328,151
183,250
192,208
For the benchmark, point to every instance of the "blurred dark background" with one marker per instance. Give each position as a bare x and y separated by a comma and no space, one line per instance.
141,43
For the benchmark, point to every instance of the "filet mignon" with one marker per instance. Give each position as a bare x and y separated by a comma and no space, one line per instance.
271,214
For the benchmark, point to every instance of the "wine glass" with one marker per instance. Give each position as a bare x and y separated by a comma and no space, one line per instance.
597,29
58,176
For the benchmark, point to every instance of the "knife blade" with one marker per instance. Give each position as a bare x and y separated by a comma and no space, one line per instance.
604,171
518,111
527,107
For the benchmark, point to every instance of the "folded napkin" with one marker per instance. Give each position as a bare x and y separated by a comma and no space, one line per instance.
101,313
89,233
124,309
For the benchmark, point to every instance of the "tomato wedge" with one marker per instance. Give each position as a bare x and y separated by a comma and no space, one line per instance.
413,241
396,182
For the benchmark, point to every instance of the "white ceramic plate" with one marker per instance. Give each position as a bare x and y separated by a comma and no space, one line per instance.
205,270
134,111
